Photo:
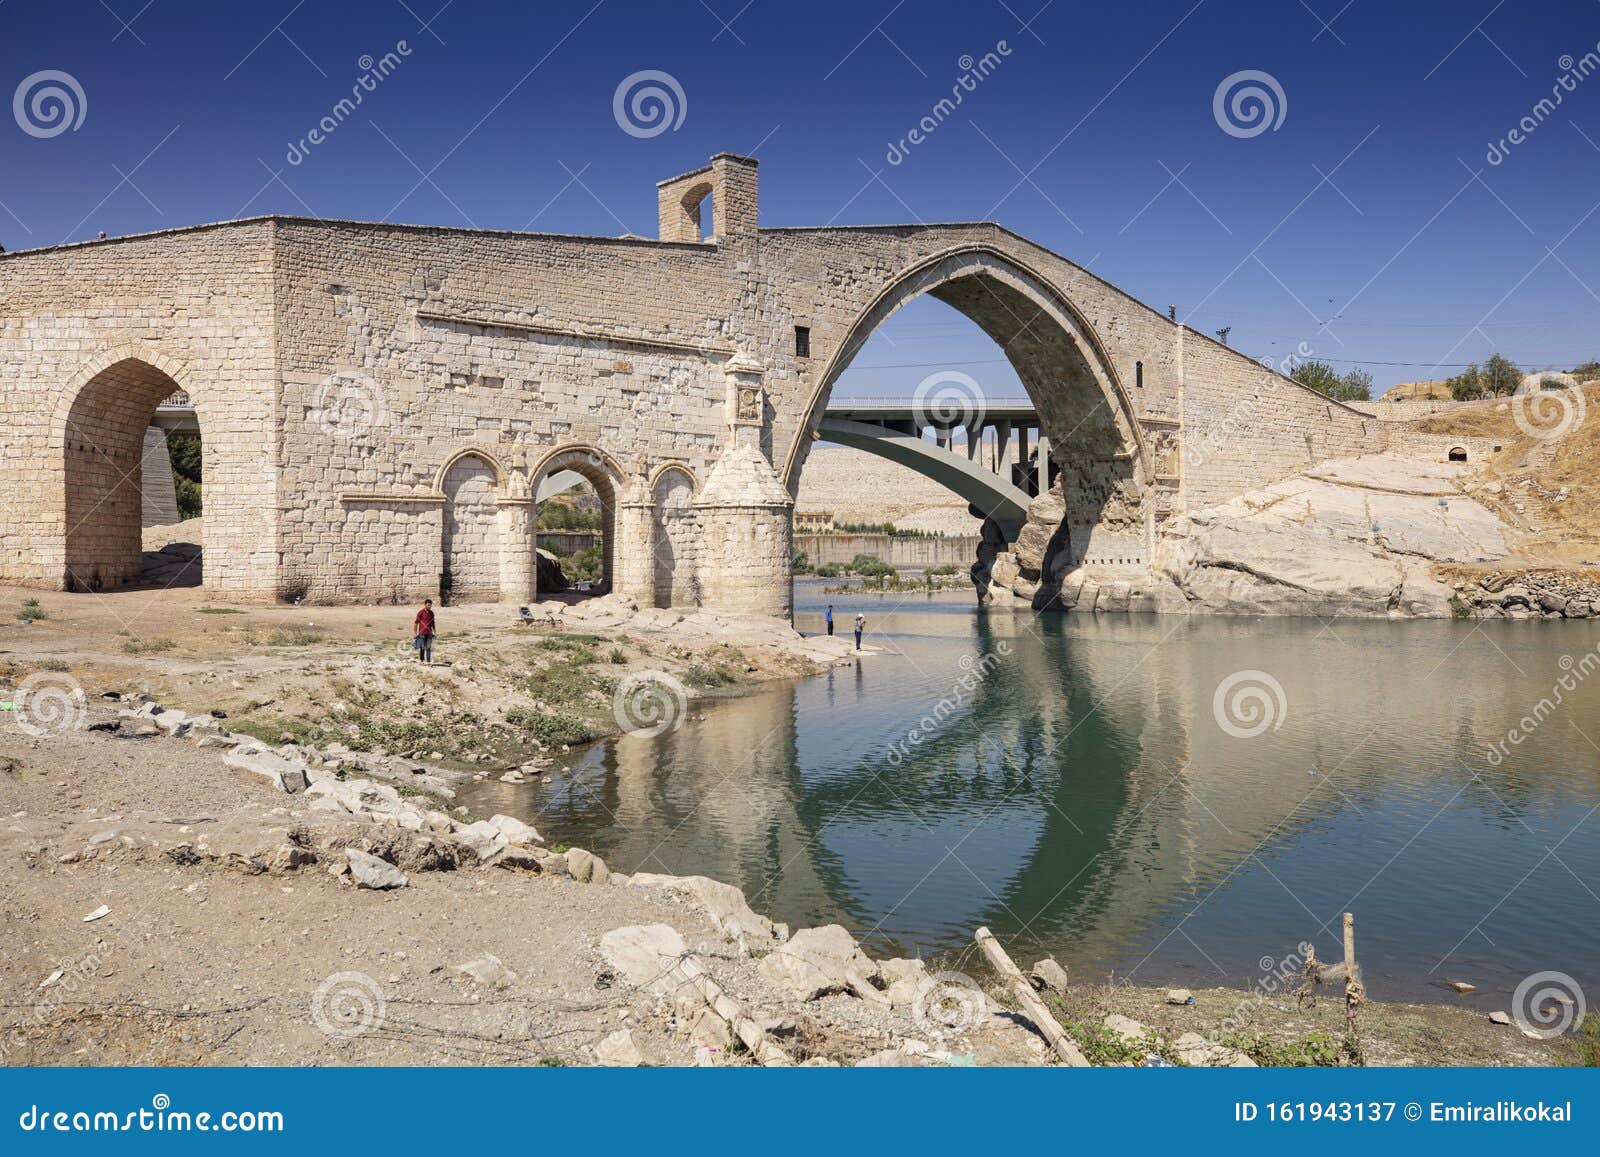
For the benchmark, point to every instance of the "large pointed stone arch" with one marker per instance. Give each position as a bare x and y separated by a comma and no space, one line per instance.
1095,437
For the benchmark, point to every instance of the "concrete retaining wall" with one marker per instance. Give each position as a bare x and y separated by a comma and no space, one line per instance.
900,553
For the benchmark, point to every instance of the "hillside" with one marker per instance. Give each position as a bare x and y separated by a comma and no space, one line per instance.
1548,487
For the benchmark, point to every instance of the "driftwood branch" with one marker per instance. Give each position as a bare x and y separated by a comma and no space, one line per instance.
727,1009
1064,1046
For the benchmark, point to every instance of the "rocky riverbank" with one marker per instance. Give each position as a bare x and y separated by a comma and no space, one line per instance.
1380,536
177,893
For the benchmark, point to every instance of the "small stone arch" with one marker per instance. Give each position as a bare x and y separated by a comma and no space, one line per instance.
501,474
693,203
1456,454
97,439
470,539
675,535
602,472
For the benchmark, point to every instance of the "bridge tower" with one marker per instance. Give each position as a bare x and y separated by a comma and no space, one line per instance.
746,544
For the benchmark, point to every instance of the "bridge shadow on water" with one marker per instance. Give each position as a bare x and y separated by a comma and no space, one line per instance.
1064,780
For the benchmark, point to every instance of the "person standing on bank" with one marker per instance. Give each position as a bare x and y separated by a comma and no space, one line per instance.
424,631
827,617
861,625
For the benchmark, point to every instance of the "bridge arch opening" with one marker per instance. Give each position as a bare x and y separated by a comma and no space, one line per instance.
1086,447
579,518
104,436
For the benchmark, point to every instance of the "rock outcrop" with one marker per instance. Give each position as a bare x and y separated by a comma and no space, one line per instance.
1354,537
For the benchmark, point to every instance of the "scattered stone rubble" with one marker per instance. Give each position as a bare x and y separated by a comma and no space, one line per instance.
748,996
1527,594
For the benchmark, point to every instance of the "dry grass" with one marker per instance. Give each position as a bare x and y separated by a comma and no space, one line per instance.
1534,473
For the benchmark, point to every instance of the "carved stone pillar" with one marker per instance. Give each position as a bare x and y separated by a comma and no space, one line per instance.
746,528
636,545
519,537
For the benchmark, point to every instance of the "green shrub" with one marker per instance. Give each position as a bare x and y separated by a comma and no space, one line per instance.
707,675
1352,386
870,565
1318,1050
1585,1045
550,727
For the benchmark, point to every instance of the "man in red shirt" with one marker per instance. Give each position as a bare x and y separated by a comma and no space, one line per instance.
424,626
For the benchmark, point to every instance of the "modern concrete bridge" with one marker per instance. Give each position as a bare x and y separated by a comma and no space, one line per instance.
991,466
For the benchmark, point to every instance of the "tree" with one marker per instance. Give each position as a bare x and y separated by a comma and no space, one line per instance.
1498,377
184,451
1467,385
1587,371
1353,386
1501,375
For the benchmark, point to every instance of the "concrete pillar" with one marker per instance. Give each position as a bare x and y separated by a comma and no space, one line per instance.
1044,462
1022,456
158,490
1002,447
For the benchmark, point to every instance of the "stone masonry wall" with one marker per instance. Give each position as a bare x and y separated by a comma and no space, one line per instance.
146,314
340,369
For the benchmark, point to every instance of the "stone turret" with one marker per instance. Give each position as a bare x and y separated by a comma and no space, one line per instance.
745,512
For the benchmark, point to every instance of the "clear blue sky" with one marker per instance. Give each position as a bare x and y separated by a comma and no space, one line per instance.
1368,224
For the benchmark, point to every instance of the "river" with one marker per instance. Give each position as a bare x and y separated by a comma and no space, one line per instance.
1075,783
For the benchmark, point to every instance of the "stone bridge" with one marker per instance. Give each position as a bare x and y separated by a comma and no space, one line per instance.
379,404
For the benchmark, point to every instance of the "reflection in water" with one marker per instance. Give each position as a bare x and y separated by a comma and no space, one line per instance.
1077,794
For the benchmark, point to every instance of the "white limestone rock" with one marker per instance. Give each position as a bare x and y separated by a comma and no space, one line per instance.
816,961
369,871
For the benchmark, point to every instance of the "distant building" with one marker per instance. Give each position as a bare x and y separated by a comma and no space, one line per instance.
813,522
